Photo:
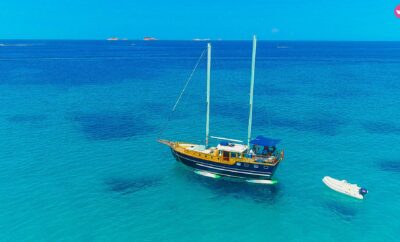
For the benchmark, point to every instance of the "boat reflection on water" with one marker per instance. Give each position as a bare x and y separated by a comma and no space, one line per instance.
234,187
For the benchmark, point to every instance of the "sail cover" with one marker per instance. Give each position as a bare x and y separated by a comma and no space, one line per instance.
264,141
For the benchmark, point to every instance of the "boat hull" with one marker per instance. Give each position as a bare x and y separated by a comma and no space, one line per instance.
252,171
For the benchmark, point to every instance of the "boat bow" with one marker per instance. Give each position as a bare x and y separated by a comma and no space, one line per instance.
166,142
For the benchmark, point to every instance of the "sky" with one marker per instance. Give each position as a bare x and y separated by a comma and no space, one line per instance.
185,19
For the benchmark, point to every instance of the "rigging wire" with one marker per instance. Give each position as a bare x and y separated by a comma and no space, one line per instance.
182,92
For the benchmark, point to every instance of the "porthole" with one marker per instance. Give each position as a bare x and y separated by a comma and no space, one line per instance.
238,164
246,165
255,166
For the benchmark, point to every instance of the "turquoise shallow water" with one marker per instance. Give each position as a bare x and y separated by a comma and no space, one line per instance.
80,162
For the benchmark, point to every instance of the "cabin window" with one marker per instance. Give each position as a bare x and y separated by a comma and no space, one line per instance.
246,165
220,153
240,155
238,164
265,167
233,155
255,166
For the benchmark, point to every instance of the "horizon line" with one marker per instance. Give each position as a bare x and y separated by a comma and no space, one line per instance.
194,40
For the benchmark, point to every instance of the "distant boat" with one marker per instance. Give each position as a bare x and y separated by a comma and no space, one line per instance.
149,38
258,159
116,38
113,38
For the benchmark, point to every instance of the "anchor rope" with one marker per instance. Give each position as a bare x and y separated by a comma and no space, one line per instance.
181,94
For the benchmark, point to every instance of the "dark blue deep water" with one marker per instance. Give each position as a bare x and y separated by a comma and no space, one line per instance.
80,162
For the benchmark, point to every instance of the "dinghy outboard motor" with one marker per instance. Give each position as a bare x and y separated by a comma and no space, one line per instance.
363,191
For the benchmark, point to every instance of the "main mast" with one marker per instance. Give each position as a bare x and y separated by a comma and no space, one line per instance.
208,92
253,65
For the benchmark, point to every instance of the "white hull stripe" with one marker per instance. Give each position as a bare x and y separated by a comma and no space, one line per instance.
222,169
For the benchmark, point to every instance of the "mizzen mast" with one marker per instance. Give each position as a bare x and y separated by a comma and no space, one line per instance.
253,65
208,92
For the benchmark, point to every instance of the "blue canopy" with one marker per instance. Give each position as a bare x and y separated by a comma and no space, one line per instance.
264,141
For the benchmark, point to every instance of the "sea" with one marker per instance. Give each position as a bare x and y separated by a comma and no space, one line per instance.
80,161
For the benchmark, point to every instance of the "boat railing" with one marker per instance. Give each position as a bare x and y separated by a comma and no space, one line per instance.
273,158
279,154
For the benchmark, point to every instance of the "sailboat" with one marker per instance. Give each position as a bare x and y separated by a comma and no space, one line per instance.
255,161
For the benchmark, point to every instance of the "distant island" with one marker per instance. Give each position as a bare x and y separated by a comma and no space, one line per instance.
149,38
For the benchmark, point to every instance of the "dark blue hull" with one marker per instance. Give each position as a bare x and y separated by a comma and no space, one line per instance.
239,170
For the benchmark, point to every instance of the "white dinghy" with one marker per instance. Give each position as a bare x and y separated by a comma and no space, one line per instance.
344,187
